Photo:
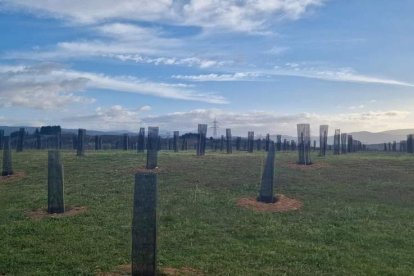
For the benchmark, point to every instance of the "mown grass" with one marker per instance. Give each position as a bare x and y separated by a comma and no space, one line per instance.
357,219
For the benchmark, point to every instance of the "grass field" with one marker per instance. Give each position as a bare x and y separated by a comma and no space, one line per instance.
357,218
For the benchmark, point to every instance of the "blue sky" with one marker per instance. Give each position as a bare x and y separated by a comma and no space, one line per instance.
261,65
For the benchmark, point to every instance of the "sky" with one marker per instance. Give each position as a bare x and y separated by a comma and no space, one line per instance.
263,65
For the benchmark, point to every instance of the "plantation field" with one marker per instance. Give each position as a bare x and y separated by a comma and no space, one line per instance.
357,216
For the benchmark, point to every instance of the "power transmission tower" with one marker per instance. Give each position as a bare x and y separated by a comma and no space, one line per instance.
215,127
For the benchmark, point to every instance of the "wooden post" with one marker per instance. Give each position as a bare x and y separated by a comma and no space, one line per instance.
144,225
55,201
266,188
7,157
141,140
250,141
125,141
1,138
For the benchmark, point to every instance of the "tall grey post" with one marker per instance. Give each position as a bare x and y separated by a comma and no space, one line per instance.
229,146
20,140
344,138
304,144
141,140
323,139
55,201
144,225
1,138
175,140
201,143
337,142
7,157
81,142
266,188
250,141
152,148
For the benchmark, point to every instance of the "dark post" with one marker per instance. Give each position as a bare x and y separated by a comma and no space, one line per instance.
144,224
1,138
337,142
175,142
20,140
238,143
229,146
98,142
266,187
81,142
304,144
250,141
323,140
222,143
344,138
267,142
278,142
125,141
7,157
38,141
201,143
350,143
259,144
410,143
152,148
55,202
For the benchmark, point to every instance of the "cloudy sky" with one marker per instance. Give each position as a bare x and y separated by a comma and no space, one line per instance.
262,65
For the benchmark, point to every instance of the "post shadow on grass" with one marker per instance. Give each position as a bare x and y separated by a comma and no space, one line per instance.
7,157
152,148
55,201
266,188
144,225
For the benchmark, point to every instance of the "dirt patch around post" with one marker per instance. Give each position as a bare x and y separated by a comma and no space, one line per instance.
313,166
70,211
283,204
125,269
13,177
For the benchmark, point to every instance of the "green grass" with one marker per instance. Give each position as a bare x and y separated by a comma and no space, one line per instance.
357,219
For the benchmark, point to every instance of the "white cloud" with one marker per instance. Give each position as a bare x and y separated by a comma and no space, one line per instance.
49,86
34,88
296,70
241,76
115,117
341,75
234,15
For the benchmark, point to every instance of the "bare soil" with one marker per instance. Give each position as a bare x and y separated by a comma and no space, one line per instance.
125,269
13,177
283,204
70,211
313,166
